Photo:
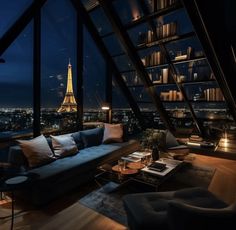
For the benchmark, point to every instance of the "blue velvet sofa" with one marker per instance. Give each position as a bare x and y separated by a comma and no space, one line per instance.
59,176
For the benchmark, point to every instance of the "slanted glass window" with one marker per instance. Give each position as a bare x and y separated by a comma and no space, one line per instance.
10,11
94,83
101,22
113,45
58,41
16,87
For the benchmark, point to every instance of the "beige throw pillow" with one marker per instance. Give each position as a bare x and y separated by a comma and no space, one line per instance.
37,151
113,133
64,145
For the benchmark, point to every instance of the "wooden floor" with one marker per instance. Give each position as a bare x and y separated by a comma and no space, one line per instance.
67,213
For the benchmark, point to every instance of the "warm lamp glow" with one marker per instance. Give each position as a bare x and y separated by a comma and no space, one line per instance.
105,106
225,142
193,143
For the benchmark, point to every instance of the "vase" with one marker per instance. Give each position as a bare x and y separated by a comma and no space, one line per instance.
155,153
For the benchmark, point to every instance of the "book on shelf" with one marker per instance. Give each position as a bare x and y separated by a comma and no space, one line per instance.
213,94
181,57
165,73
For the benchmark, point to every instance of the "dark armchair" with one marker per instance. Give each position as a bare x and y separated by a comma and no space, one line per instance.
186,209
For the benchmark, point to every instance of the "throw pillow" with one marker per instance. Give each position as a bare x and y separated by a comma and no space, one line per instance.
92,137
113,133
37,151
78,140
64,145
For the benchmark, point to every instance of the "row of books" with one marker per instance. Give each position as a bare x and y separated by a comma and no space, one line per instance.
189,53
160,78
162,31
155,58
171,95
213,94
155,5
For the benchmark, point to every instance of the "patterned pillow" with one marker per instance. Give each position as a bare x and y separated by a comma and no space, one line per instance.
113,133
37,151
64,145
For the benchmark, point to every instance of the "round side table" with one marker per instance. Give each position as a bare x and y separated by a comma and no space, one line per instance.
11,185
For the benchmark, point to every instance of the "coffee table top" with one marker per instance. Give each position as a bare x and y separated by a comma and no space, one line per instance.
126,171
136,172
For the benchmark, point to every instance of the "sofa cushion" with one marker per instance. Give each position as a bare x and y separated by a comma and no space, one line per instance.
78,140
64,145
87,158
113,133
37,151
92,137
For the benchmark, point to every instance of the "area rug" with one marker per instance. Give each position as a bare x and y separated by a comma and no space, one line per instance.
107,200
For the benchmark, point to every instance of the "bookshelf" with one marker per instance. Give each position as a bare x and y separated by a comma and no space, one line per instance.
173,63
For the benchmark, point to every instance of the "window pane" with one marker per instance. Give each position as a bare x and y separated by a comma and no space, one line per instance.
10,11
100,21
94,81
16,89
123,63
58,46
113,45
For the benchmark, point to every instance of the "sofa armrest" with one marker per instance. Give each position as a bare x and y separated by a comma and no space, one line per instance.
16,157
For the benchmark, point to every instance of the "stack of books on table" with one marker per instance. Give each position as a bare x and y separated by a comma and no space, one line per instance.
135,156
162,167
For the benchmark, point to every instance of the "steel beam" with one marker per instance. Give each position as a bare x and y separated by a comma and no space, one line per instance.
12,33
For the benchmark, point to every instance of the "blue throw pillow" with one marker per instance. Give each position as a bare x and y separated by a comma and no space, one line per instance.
78,140
92,137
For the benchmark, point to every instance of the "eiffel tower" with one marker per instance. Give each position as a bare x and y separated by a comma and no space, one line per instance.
69,104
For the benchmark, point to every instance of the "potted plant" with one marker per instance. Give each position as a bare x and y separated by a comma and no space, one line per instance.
153,139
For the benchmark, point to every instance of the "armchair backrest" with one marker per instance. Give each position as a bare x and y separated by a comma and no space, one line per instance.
182,216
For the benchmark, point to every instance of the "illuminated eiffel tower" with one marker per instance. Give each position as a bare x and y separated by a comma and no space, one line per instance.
69,104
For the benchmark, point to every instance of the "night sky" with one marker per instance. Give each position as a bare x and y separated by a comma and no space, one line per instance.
58,44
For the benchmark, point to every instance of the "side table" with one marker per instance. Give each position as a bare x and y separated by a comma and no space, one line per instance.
11,185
